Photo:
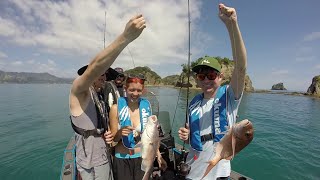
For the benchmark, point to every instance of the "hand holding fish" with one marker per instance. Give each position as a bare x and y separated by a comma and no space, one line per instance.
237,138
134,28
108,137
125,131
162,163
227,14
184,133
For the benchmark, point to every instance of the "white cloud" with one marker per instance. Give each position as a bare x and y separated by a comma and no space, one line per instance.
32,61
3,55
30,66
2,64
17,63
317,66
302,50
9,28
305,58
280,72
312,36
77,26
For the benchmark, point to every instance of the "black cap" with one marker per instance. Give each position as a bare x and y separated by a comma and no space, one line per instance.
111,73
82,70
119,70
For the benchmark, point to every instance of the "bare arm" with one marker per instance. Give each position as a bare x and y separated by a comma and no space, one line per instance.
79,94
105,58
229,17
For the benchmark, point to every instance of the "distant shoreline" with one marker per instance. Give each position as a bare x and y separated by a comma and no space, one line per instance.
285,92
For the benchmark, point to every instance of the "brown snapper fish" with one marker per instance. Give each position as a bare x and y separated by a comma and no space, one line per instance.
150,142
237,138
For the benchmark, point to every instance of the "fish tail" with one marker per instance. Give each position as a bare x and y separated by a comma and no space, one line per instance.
210,166
146,175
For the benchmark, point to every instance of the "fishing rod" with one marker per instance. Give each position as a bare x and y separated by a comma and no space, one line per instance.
104,112
104,33
188,72
184,168
188,76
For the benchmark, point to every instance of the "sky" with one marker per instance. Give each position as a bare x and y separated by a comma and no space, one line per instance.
282,37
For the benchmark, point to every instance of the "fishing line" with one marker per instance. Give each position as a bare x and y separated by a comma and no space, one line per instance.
131,56
175,111
140,12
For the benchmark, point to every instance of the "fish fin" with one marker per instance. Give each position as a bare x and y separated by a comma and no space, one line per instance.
229,158
210,166
226,131
234,142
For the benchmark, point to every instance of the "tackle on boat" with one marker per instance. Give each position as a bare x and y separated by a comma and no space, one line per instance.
112,128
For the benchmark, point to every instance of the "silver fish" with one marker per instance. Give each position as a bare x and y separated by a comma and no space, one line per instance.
150,142
237,138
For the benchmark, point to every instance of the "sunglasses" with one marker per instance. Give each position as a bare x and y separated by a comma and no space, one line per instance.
120,76
210,76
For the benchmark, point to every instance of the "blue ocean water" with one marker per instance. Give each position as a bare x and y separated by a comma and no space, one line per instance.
35,129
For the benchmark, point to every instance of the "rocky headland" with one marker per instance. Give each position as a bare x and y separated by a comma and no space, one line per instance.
278,86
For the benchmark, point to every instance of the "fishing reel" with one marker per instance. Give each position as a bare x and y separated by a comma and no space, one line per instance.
183,167
161,134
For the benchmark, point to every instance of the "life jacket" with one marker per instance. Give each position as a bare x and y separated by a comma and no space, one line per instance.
124,118
219,117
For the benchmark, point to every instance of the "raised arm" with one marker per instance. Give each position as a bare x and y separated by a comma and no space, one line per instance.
105,58
229,17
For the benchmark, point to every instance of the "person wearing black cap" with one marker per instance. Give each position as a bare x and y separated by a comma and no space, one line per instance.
87,111
119,81
215,109
113,88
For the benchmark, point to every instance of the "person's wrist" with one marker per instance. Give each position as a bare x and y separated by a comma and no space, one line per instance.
124,39
231,24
